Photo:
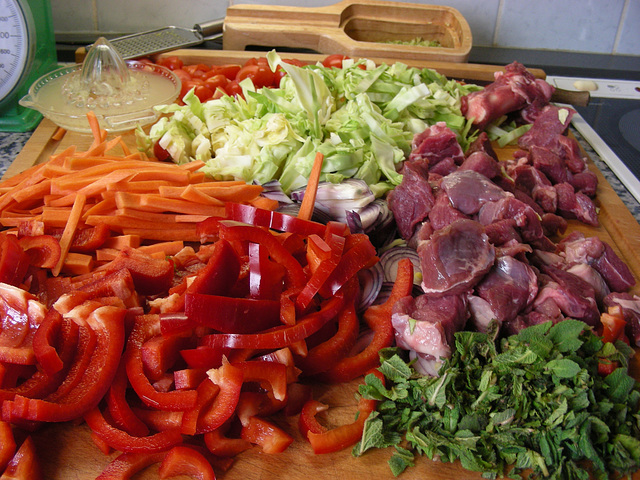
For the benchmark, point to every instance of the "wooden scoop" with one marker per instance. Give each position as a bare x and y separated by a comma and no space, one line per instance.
355,28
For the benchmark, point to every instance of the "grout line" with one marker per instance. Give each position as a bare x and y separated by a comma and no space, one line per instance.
498,22
623,16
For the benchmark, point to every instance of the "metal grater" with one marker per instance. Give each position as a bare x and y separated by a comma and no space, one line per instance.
165,39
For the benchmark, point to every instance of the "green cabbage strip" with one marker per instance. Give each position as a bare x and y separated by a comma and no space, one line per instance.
362,120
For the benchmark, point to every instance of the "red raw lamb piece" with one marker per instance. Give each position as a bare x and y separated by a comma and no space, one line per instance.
469,190
430,337
514,89
455,258
434,144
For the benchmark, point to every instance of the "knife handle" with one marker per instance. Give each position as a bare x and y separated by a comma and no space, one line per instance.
570,97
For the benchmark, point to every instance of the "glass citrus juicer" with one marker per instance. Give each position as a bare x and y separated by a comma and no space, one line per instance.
121,94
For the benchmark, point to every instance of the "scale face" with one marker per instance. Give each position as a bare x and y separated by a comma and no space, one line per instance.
27,51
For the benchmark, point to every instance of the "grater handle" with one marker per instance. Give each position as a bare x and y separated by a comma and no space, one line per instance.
212,27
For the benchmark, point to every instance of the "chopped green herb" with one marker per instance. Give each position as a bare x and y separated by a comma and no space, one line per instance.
533,402
417,42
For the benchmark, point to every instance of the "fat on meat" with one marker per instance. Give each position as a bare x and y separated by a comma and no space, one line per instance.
426,326
455,258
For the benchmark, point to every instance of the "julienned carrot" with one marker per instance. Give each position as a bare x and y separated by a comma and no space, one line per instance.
69,231
167,248
78,263
164,235
120,241
309,199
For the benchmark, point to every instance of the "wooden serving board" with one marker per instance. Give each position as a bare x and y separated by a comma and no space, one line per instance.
362,27
67,452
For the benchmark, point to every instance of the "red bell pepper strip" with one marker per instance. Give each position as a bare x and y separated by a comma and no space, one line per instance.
271,219
233,231
272,439
207,391
119,408
161,352
70,402
229,379
126,465
7,444
378,318
189,378
86,239
260,404
279,337
219,275
265,277
159,420
222,446
183,460
41,384
203,357
230,314
24,464
20,316
44,343
43,250
322,271
151,275
339,438
122,441
14,262
360,254
326,355
145,328
308,422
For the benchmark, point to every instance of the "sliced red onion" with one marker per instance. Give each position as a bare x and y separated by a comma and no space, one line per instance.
273,190
319,215
338,198
389,260
370,285
353,222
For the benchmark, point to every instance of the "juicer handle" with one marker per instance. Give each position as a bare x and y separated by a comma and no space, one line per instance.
210,28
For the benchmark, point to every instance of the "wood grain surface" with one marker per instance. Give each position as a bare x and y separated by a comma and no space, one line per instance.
68,453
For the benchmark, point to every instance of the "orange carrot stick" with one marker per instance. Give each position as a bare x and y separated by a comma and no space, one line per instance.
69,231
309,199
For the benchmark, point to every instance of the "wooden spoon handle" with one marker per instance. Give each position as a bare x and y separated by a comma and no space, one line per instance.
570,97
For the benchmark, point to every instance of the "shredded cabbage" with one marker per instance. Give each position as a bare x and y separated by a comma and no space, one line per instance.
362,118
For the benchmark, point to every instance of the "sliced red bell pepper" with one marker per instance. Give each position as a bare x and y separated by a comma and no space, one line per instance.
7,444
261,404
94,374
271,438
159,420
190,378
207,391
229,379
40,385
279,337
266,278
221,272
119,408
145,328
322,270
127,464
359,254
184,460
161,352
326,355
271,219
45,341
222,446
151,275
43,250
613,327
230,314
234,231
85,239
204,357
324,440
14,262
24,464
122,441
378,318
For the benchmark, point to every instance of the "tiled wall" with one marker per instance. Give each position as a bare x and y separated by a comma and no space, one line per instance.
595,26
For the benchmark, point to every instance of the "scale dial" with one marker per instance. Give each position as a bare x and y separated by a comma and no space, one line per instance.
15,47
27,51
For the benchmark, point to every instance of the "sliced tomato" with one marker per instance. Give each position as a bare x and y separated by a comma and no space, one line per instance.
172,62
260,75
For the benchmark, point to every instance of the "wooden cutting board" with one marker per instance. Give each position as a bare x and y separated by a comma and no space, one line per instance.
67,452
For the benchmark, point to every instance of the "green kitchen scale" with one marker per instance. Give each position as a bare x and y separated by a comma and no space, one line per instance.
27,51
